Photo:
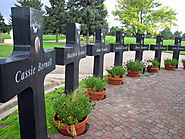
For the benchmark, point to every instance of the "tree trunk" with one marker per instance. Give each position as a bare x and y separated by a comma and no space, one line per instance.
57,37
94,38
1,36
87,36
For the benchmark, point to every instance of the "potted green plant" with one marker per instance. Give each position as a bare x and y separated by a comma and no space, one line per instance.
170,64
72,113
152,66
95,88
116,75
183,62
134,68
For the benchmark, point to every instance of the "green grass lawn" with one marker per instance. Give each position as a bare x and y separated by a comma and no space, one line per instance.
53,37
45,37
6,36
108,39
49,45
5,51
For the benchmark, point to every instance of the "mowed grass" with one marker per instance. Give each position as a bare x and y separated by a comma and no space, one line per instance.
53,37
6,36
5,51
45,37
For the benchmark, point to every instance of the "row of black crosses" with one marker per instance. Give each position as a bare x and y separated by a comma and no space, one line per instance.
23,73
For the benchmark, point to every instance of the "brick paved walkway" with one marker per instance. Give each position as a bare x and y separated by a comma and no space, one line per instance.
147,107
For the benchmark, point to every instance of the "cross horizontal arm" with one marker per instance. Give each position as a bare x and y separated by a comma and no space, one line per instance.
66,55
176,48
138,47
158,47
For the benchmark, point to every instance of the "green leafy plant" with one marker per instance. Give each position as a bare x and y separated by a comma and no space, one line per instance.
73,108
183,61
95,84
170,62
152,64
116,72
134,66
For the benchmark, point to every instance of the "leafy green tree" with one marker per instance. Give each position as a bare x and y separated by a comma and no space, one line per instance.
90,14
141,16
178,34
3,27
167,34
113,30
36,4
56,17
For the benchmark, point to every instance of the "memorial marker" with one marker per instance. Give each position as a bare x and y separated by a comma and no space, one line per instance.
70,56
158,48
119,47
176,48
98,50
23,73
139,47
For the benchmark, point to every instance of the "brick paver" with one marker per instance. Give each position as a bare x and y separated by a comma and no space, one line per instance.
150,106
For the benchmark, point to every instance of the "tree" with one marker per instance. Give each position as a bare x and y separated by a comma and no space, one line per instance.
56,18
167,34
113,30
36,4
3,27
178,34
90,14
141,16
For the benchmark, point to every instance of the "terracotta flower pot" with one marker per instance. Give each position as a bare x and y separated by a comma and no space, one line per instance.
96,95
184,66
152,70
115,81
169,67
79,128
133,74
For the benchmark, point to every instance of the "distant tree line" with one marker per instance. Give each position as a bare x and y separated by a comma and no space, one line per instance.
145,16
166,33
91,14
3,27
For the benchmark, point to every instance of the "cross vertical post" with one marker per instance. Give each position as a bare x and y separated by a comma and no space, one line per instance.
139,47
176,48
23,73
119,47
98,50
70,56
158,48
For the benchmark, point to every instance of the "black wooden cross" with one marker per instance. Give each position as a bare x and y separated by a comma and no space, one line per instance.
158,48
98,50
70,56
119,47
139,47
176,48
23,73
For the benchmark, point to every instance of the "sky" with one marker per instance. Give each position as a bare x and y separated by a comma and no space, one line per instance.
178,5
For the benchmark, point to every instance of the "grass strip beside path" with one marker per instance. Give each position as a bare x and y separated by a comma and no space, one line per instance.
9,126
